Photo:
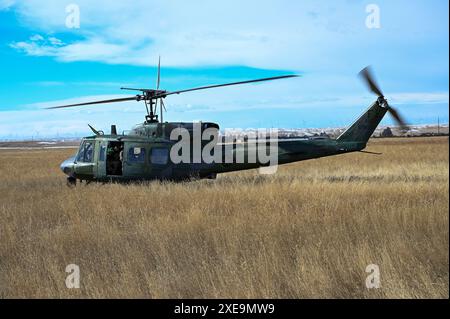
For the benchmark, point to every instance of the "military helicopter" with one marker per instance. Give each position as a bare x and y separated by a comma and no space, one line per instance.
147,151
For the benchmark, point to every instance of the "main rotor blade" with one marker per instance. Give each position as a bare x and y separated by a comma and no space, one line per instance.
92,103
140,90
228,84
159,74
366,74
398,118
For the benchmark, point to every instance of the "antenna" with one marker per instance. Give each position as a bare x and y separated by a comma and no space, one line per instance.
157,89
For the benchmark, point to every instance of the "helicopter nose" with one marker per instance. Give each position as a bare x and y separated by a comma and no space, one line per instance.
68,166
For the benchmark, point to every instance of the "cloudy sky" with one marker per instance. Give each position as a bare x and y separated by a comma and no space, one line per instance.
45,62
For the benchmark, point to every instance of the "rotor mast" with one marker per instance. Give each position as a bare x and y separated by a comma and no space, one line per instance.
151,117
151,98
151,103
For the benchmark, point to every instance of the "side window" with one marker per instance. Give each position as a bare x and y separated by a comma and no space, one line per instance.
102,153
159,156
136,155
86,153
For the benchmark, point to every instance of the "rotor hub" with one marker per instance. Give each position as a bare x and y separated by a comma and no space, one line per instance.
383,102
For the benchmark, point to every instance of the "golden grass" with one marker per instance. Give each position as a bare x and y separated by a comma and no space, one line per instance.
307,232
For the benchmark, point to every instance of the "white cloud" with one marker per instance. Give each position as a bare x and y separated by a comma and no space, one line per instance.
329,42
281,34
69,122
33,48
39,46
6,4
55,41
267,34
36,38
285,34
209,105
420,98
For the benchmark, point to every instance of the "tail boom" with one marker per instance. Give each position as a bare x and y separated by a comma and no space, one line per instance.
362,129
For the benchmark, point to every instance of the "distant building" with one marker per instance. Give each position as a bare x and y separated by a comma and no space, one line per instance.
387,132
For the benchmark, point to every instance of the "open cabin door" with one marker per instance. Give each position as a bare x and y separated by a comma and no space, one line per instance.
114,159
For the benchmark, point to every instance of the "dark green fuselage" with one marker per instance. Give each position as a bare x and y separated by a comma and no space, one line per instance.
144,154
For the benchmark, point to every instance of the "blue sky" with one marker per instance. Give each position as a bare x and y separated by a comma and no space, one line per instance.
201,42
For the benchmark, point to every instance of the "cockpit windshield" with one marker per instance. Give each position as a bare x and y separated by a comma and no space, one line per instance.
86,152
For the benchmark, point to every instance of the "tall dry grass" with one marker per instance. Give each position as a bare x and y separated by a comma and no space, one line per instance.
307,232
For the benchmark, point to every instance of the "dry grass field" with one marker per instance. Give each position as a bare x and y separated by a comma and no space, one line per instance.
307,232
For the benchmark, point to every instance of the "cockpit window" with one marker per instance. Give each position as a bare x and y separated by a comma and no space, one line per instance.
86,153
102,153
136,155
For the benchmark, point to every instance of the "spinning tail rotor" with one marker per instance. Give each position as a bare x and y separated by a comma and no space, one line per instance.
367,75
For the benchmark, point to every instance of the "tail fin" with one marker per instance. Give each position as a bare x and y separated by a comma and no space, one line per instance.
363,128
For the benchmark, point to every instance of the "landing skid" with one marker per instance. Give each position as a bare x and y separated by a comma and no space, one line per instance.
71,181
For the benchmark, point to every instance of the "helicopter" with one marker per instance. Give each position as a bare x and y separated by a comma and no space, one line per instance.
152,149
